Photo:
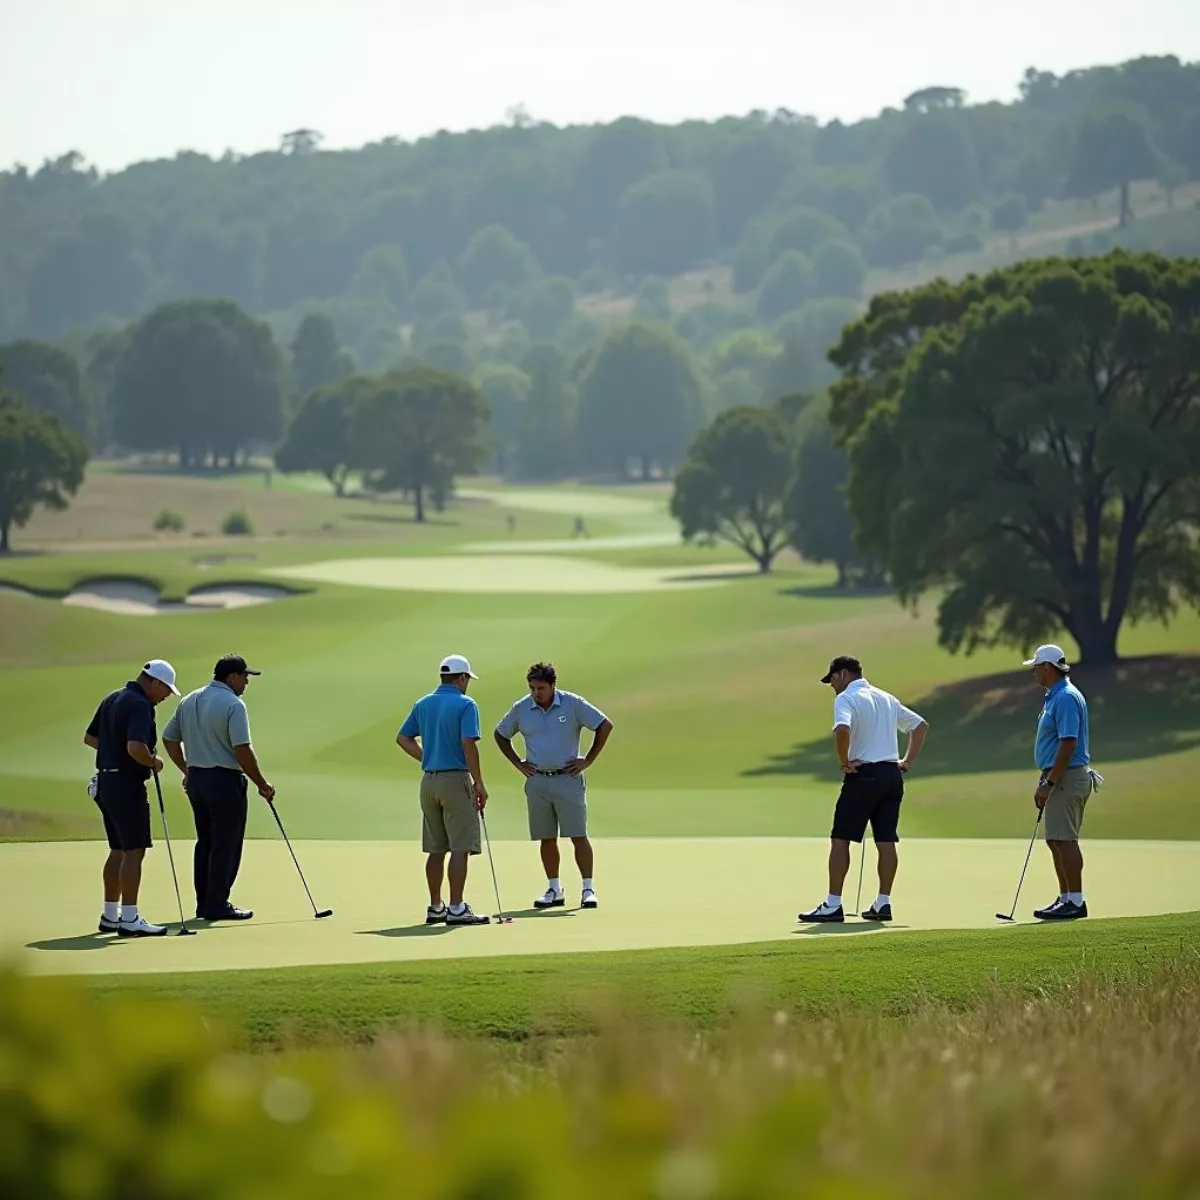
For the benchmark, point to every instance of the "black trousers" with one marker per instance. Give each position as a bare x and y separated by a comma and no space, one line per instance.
218,799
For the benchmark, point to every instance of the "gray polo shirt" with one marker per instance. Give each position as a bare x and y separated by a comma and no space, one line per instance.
551,735
210,722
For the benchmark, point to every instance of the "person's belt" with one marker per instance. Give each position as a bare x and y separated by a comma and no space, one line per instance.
448,771
550,771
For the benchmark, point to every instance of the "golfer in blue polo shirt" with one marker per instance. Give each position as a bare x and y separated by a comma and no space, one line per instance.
442,733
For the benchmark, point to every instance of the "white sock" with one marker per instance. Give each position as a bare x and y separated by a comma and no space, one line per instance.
129,912
587,885
832,901
1075,897
1064,897
555,885
437,907
881,900
112,910
457,908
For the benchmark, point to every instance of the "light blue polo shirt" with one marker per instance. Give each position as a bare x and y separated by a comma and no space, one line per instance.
551,735
1064,715
442,720
210,722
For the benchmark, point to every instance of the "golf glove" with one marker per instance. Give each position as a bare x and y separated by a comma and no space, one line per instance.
93,786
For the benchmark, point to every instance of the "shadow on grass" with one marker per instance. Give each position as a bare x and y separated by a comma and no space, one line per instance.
541,912
819,929
830,591
385,518
421,930
83,941
1139,708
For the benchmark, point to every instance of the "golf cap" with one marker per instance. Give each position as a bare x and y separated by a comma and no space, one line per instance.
843,662
455,664
1054,655
232,664
160,669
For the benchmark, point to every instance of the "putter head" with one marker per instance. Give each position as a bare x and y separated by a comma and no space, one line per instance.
325,912
1006,917
184,931
500,920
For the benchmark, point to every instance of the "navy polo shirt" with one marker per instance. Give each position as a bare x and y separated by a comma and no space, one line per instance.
124,716
442,720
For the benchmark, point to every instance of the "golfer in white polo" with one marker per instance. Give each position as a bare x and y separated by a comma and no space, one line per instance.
551,720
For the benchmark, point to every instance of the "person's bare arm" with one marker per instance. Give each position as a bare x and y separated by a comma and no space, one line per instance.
144,756
410,746
505,747
91,741
916,739
841,743
248,761
175,754
471,751
1053,777
600,737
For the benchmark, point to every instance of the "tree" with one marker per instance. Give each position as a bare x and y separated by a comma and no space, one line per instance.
201,376
41,463
506,389
1111,151
300,141
746,174
417,429
902,230
546,443
318,437
382,275
47,378
640,401
840,269
317,358
819,526
437,294
665,224
1029,445
494,256
934,157
788,284
731,485
930,98
1010,214
545,306
803,229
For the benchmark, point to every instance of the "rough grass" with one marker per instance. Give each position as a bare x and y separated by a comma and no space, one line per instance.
568,995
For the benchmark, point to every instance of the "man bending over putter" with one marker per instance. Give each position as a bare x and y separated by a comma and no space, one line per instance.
123,735
442,734
865,720
550,721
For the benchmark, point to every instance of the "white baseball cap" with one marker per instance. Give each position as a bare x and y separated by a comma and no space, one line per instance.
160,669
1056,656
455,664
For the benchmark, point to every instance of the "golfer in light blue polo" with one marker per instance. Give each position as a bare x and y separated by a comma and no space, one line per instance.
551,720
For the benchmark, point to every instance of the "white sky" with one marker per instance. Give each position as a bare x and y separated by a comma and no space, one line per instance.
122,80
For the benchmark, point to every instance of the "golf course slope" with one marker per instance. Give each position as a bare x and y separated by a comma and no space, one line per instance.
653,893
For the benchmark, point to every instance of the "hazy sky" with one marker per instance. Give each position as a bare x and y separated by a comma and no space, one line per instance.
121,80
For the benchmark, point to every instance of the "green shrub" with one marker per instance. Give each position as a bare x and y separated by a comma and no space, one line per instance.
237,524
167,520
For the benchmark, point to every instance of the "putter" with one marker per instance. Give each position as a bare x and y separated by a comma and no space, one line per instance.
183,930
501,919
862,860
1011,916
325,912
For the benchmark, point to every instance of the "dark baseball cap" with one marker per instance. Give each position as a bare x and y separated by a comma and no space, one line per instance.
843,662
232,664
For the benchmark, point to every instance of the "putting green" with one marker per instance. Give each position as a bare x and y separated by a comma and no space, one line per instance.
528,574
653,892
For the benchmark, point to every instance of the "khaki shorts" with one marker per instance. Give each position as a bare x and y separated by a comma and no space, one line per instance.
1064,809
449,819
557,806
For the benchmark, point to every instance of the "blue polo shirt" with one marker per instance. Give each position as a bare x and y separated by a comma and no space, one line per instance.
551,734
1064,715
442,720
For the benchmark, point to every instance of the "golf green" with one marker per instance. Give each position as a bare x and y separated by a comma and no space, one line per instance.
653,893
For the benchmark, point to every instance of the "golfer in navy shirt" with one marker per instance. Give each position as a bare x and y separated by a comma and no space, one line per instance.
442,733
1063,756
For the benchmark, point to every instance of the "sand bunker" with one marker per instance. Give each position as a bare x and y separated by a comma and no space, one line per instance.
509,573
561,500
139,600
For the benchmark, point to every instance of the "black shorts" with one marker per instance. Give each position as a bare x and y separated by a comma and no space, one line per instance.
872,793
126,811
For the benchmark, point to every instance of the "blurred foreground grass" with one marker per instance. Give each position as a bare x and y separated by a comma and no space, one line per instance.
1087,1090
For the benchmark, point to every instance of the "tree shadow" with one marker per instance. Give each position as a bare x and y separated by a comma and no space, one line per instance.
1138,708
400,519
831,591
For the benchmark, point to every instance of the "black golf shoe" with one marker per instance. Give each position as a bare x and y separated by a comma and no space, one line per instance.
1043,914
877,914
467,917
823,915
436,916
107,926
1066,911
230,912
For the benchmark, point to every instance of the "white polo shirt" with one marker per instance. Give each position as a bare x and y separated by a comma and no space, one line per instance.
873,716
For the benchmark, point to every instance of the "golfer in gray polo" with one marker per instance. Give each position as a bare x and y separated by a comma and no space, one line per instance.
550,720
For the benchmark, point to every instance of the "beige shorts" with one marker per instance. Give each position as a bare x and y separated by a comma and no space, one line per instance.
1064,809
449,819
557,806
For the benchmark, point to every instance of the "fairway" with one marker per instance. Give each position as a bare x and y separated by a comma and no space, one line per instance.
653,892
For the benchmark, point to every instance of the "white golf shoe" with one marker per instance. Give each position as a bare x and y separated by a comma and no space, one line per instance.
588,899
139,927
550,899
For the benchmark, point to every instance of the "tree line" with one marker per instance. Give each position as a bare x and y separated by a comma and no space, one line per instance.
1025,446
520,219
